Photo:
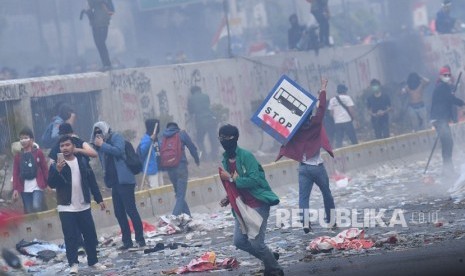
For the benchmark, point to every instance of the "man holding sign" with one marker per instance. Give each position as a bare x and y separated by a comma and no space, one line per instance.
304,147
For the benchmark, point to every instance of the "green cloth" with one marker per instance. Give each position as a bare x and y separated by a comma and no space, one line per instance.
251,176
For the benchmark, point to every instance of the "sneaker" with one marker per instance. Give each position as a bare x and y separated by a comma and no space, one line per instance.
98,266
74,269
141,244
125,247
308,229
81,251
158,247
333,227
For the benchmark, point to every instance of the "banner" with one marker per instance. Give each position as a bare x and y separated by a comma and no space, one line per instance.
284,110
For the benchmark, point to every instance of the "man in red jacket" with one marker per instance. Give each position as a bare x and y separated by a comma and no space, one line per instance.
30,174
304,147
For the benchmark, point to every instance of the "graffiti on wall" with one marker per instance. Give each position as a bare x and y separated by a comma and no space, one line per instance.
335,70
184,80
134,90
364,72
444,50
12,92
46,88
163,104
289,67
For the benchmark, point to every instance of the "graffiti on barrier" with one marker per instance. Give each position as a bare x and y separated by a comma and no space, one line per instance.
135,90
163,104
46,88
227,89
12,92
184,80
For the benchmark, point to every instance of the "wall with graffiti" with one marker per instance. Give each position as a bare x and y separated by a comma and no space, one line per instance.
129,96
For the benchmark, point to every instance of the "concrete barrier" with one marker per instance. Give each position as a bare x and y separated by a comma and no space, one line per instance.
204,194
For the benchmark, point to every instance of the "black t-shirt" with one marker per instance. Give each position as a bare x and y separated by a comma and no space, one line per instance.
375,104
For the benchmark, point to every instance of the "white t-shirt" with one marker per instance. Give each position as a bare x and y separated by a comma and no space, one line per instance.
340,114
77,197
31,186
314,161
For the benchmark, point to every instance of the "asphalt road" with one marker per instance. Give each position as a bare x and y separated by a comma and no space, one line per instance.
445,258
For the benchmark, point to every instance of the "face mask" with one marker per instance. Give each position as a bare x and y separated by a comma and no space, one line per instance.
445,79
24,142
230,147
375,88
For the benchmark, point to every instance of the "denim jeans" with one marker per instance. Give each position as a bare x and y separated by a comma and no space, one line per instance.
178,176
124,203
33,202
257,247
309,174
73,225
447,144
340,129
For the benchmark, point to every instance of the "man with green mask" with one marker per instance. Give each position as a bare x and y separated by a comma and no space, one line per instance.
379,106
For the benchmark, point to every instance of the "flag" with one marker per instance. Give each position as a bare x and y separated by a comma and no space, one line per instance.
249,219
220,33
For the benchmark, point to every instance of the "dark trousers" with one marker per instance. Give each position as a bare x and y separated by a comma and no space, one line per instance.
323,23
380,126
211,132
340,129
447,144
84,223
100,36
124,203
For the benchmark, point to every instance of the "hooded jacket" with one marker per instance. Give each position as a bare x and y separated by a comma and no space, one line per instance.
144,148
310,137
114,145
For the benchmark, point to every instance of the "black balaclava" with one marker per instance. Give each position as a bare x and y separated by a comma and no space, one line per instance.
229,145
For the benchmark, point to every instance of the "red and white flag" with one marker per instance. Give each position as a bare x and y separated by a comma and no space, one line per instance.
220,33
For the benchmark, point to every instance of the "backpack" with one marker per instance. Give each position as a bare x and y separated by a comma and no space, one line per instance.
47,140
171,151
27,166
132,158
